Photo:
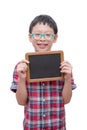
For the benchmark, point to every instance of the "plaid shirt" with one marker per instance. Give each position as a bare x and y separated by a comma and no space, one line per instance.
45,107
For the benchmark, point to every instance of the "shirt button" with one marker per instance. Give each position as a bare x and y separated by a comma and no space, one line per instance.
44,115
43,84
43,99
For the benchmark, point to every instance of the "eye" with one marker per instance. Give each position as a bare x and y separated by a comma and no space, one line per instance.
48,35
37,34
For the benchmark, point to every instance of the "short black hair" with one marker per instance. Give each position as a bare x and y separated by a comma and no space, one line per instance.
45,19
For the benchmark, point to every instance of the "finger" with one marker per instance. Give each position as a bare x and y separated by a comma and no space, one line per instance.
20,69
22,65
66,70
65,64
25,61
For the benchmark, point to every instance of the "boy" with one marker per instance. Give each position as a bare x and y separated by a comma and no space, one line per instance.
43,101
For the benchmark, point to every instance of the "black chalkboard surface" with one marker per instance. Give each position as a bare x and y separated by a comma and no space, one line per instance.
44,66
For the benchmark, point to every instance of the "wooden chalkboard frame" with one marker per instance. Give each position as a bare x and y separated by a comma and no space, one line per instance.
42,57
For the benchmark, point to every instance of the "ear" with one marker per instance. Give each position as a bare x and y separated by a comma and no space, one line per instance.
55,38
30,37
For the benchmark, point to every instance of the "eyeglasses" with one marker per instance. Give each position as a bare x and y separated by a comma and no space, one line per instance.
39,36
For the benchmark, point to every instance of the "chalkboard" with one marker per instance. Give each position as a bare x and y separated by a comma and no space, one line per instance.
44,66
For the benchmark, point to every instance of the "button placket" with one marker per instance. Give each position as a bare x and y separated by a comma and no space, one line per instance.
43,101
43,84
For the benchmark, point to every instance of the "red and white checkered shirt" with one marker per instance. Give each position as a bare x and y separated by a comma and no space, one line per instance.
45,107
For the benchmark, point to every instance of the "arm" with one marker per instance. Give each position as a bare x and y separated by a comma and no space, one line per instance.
21,94
66,68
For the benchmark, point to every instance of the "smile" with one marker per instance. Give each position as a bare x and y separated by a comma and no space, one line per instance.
42,46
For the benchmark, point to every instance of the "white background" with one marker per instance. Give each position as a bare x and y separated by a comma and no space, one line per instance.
15,17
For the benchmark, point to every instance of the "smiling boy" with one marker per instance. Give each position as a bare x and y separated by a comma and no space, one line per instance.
43,101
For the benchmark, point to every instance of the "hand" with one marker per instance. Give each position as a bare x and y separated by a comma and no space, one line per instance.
66,68
22,68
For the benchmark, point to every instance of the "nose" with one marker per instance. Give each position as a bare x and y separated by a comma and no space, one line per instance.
42,37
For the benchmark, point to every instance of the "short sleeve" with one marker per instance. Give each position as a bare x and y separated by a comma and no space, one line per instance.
73,85
14,82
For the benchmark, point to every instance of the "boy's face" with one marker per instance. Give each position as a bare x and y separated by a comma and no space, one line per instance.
42,37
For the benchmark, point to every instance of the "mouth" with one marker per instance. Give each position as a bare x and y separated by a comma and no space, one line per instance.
42,46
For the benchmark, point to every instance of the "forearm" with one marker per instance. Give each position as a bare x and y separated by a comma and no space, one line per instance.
67,91
21,94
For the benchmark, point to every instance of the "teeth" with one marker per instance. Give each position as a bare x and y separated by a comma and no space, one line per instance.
42,44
